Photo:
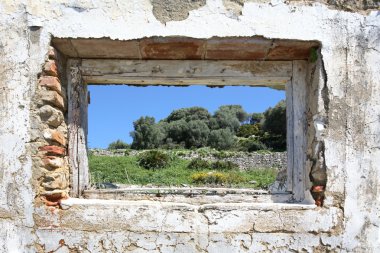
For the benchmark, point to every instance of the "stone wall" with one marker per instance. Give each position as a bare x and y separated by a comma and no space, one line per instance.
49,130
344,136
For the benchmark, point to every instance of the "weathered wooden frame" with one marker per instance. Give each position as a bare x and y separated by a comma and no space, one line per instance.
289,75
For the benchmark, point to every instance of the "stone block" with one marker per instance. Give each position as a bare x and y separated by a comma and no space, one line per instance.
53,150
50,68
51,116
53,162
55,180
53,98
51,82
51,53
56,136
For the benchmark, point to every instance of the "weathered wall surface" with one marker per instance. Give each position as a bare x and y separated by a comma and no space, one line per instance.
347,123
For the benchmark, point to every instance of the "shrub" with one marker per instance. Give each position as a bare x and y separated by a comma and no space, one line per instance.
250,144
216,178
256,145
209,178
198,164
118,144
153,159
223,154
206,151
224,165
274,142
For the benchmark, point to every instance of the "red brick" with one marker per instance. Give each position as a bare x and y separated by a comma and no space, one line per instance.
51,82
50,68
53,150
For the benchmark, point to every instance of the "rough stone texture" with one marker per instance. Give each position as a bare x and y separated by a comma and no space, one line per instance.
174,10
53,98
51,82
344,114
55,136
51,116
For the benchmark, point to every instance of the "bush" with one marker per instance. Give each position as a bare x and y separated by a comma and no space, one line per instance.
216,178
256,146
250,145
118,144
153,159
209,178
198,164
224,165
223,155
274,142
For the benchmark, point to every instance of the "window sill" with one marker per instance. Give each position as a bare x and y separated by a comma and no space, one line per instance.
174,217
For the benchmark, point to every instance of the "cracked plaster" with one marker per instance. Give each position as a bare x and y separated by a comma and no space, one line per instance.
350,50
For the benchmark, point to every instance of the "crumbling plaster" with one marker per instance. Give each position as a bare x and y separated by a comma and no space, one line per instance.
350,131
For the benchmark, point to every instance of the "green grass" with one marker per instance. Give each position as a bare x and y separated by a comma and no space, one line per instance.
125,170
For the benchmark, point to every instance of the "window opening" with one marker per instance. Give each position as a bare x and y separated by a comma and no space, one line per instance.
187,137
290,75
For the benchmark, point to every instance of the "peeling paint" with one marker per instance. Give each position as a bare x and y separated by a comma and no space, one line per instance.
344,132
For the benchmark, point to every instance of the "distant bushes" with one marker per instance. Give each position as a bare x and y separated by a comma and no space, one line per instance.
118,144
216,178
200,164
250,144
224,165
153,159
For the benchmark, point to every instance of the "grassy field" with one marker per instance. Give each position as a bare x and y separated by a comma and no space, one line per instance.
125,170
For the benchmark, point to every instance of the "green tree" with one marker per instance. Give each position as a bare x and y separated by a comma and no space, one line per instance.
197,134
189,114
275,119
256,118
221,139
274,124
146,134
249,130
227,120
235,110
177,131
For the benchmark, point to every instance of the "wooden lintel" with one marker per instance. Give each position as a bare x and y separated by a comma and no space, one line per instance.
187,72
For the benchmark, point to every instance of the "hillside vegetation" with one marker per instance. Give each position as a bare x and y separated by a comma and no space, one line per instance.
176,172
230,129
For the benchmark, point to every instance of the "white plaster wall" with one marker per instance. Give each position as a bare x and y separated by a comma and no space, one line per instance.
350,50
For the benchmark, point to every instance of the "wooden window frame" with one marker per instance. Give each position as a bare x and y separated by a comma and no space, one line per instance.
288,75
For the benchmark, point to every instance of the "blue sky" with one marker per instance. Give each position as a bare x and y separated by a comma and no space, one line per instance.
113,108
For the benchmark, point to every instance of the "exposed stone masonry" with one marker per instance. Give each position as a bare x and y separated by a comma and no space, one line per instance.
52,135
